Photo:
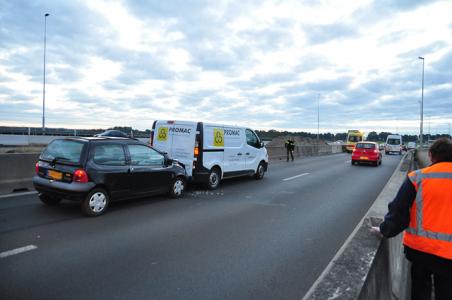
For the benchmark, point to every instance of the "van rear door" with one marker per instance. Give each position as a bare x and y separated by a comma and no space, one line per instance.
178,140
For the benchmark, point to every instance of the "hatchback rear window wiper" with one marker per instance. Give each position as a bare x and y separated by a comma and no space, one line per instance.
55,159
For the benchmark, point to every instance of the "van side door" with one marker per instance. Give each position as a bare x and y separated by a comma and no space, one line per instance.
234,149
253,150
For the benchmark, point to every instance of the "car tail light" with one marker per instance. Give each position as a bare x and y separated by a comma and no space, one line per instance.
37,168
80,176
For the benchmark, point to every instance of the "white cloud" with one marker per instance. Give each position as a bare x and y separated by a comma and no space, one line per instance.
268,58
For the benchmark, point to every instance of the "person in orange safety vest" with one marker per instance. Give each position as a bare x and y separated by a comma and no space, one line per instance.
423,208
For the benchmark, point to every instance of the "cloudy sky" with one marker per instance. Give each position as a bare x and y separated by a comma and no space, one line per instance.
262,64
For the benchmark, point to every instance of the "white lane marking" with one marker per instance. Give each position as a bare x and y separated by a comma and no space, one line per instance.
18,251
296,176
17,194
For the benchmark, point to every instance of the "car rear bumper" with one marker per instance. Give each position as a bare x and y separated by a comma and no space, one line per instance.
72,191
361,159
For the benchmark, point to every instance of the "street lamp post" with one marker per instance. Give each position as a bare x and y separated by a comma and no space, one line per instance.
421,136
318,117
44,78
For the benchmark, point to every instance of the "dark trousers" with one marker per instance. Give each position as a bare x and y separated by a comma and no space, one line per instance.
421,283
291,153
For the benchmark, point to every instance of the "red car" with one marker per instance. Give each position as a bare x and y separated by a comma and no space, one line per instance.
366,152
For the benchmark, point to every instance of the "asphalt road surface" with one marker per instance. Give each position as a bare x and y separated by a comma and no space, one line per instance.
250,239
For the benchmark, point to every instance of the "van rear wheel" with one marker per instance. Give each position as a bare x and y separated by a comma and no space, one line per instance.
214,179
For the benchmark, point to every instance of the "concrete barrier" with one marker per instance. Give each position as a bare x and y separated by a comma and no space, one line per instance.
27,140
280,152
366,266
17,169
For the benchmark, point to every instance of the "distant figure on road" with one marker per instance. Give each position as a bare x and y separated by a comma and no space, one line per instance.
423,208
290,146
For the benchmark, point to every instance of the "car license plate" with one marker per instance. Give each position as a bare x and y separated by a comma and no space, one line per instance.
364,157
55,175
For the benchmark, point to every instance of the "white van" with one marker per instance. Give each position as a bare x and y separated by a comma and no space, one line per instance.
211,152
393,143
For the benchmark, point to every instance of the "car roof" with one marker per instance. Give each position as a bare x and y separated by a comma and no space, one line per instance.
104,139
366,142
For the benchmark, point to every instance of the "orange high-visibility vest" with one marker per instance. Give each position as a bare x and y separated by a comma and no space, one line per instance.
430,228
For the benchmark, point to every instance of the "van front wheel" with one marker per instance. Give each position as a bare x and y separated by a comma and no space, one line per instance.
214,179
260,171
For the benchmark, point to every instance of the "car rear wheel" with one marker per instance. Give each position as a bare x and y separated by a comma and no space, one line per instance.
177,187
214,179
48,200
260,172
96,202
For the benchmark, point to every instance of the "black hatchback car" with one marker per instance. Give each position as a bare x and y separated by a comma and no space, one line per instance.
97,170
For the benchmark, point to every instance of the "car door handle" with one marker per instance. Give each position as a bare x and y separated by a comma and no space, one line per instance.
247,153
239,154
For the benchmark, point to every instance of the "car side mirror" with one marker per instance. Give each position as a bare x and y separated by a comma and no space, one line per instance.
261,144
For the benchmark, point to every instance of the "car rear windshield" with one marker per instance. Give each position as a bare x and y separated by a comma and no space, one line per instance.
393,141
63,151
365,146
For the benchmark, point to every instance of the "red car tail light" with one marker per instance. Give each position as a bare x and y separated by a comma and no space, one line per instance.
80,176
37,168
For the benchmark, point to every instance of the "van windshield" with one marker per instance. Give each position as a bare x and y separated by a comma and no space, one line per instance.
354,138
65,151
393,141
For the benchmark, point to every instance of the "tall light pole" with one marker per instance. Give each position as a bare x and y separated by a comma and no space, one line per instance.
318,118
44,78
422,103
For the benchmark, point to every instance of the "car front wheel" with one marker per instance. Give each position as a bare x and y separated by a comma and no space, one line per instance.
96,202
177,187
48,200
260,172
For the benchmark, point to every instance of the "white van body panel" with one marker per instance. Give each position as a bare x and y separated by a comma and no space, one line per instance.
178,140
223,146
393,143
411,145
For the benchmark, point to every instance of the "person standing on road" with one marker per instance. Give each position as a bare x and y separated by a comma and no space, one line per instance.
423,208
290,146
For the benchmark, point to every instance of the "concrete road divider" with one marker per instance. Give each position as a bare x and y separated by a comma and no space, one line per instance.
17,170
280,152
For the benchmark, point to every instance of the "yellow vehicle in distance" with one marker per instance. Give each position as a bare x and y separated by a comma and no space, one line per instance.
353,137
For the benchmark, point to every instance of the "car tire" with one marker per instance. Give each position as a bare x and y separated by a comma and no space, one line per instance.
177,187
49,200
260,171
95,203
213,181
